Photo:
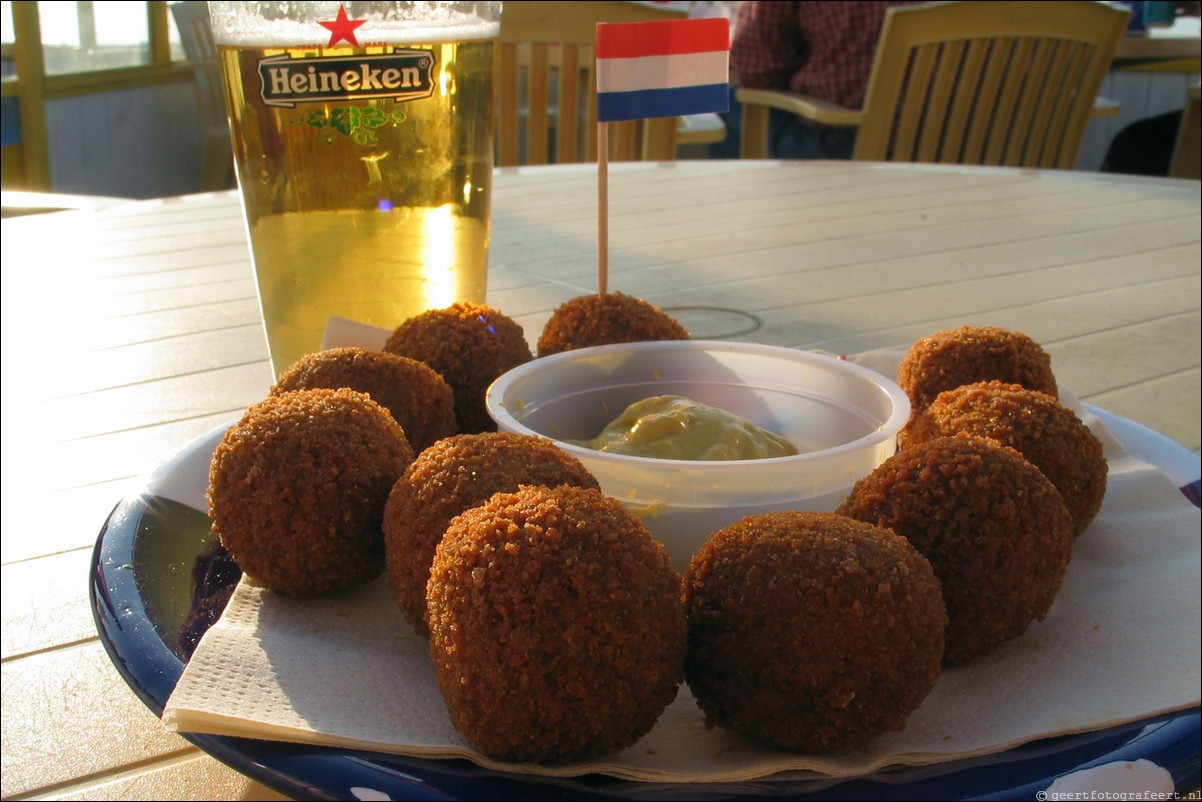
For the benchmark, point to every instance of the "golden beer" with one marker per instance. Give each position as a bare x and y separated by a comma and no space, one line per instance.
366,179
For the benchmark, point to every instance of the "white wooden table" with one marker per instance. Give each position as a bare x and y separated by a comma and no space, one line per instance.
129,331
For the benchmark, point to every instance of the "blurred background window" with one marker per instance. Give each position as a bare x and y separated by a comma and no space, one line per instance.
118,64
8,40
93,35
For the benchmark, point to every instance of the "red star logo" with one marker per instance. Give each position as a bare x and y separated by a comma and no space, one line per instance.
342,28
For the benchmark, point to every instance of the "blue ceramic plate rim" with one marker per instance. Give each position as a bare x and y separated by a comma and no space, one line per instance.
151,668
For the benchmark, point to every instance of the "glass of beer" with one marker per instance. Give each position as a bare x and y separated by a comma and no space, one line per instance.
363,139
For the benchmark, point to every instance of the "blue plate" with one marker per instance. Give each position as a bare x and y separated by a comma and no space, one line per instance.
159,579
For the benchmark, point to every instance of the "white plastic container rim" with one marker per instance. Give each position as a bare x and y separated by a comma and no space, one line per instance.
842,416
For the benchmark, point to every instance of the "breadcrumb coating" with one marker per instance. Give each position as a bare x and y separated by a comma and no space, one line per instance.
968,354
557,629
1047,433
604,319
297,489
811,631
469,345
993,527
412,391
449,477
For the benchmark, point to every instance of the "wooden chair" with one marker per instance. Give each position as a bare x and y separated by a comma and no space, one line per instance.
1011,83
546,89
196,35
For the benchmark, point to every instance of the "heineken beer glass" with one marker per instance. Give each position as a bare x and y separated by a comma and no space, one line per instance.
362,135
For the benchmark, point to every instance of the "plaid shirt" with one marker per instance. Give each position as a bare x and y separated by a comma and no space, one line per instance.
818,48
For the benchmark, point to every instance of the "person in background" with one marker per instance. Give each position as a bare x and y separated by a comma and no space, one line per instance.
822,49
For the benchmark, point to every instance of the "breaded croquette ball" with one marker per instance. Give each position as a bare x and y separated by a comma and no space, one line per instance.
412,391
556,627
1047,433
993,527
810,631
297,489
605,319
469,345
969,354
449,477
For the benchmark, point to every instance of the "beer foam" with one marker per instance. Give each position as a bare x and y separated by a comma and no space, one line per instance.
234,25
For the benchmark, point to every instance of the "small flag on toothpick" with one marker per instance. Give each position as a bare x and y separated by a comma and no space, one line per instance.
666,68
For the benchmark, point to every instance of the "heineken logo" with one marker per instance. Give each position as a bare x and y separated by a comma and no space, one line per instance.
400,75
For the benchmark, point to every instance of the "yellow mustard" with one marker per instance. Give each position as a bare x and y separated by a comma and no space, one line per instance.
674,427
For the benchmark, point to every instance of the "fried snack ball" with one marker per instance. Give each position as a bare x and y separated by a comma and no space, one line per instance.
449,477
556,627
605,319
993,527
948,359
811,631
412,391
297,489
469,345
1047,433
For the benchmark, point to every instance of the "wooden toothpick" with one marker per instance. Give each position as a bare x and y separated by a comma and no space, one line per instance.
602,208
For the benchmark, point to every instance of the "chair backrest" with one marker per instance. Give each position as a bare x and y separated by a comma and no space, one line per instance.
988,83
546,86
196,35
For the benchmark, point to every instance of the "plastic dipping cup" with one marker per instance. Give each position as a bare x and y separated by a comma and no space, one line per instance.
842,417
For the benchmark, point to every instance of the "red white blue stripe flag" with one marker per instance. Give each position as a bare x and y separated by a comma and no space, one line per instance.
666,68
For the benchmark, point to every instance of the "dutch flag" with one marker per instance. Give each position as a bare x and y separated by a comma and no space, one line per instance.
666,68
